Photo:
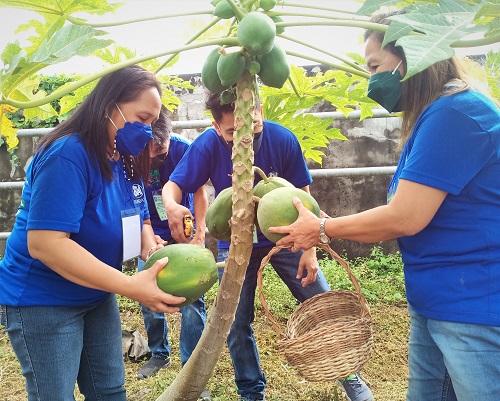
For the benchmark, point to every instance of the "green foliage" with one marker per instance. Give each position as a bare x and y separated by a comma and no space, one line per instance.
379,275
45,86
493,73
286,105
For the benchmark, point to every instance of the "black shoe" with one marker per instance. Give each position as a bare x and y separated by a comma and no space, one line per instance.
152,367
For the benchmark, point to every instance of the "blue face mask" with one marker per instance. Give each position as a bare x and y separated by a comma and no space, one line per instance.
386,89
133,137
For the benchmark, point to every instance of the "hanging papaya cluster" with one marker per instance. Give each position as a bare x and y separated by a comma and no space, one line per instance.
258,53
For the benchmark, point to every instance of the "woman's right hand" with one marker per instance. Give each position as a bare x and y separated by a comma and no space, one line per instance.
145,290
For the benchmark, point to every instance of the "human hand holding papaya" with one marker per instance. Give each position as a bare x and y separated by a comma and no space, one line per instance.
303,233
145,290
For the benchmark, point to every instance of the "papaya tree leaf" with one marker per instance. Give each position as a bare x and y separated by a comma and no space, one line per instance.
28,90
61,7
70,101
43,29
371,6
67,42
438,26
115,54
7,128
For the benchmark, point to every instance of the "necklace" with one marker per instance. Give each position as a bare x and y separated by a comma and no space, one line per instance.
131,168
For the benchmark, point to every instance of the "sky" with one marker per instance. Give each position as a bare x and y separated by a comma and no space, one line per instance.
167,34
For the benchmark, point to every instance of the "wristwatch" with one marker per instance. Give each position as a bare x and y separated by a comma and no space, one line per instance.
323,238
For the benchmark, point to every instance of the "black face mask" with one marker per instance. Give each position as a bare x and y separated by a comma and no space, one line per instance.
257,140
158,161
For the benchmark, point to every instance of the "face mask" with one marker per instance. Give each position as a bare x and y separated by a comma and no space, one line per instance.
158,161
133,137
386,89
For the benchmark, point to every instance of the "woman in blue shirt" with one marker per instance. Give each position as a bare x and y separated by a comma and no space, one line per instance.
82,214
444,209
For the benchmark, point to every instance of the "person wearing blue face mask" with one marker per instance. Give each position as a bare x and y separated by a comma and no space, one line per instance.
82,214
277,153
444,210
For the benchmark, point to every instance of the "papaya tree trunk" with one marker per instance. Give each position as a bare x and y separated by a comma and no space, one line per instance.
194,376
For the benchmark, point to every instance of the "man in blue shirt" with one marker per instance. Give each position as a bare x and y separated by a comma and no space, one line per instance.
277,153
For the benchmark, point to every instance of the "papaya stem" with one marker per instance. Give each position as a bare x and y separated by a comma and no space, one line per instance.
261,173
294,87
237,11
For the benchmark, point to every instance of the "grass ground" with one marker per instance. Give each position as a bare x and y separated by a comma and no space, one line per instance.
380,277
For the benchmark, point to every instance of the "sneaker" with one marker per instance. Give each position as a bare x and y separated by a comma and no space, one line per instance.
356,389
205,395
152,367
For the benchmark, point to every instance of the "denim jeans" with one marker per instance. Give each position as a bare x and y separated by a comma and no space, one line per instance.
451,361
250,379
59,346
192,324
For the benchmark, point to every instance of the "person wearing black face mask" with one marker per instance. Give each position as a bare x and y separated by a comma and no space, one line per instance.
443,208
278,153
160,157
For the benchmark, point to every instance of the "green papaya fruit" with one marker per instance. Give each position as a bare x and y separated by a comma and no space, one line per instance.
230,68
223,10
267,185
279,29
267,5
277,209
190,272
274,68
209,75
256,32
218,214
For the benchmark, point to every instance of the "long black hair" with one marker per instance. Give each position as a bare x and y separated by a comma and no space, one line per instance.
89,120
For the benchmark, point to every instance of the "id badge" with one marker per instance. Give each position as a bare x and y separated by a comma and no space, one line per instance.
160,207
255,239
131,226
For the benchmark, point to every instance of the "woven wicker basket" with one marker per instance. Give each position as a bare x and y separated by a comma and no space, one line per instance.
330,335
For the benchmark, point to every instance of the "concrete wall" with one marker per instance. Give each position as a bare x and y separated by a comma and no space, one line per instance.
371,143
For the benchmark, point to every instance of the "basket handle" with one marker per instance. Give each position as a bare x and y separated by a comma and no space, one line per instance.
364,304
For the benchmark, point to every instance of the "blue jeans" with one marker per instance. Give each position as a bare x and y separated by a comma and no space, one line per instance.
451,361
192,324
59,346
249,377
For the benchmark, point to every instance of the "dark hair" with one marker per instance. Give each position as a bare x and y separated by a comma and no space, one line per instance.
162,128
89,120
213,104
423,88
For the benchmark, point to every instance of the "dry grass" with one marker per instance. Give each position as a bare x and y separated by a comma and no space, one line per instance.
386,372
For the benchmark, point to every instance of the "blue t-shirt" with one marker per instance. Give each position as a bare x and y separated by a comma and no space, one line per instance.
159,177
208,157
452,267
65,191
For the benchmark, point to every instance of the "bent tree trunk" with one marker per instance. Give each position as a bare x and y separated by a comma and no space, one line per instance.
194,376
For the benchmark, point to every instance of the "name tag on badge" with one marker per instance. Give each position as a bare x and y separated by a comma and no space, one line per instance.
160,207
255,239
131,226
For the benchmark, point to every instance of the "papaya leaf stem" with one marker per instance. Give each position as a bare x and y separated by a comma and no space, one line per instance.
344,60
78,21
237,11
85,80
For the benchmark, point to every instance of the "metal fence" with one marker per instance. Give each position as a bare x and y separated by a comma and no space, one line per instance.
194,124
